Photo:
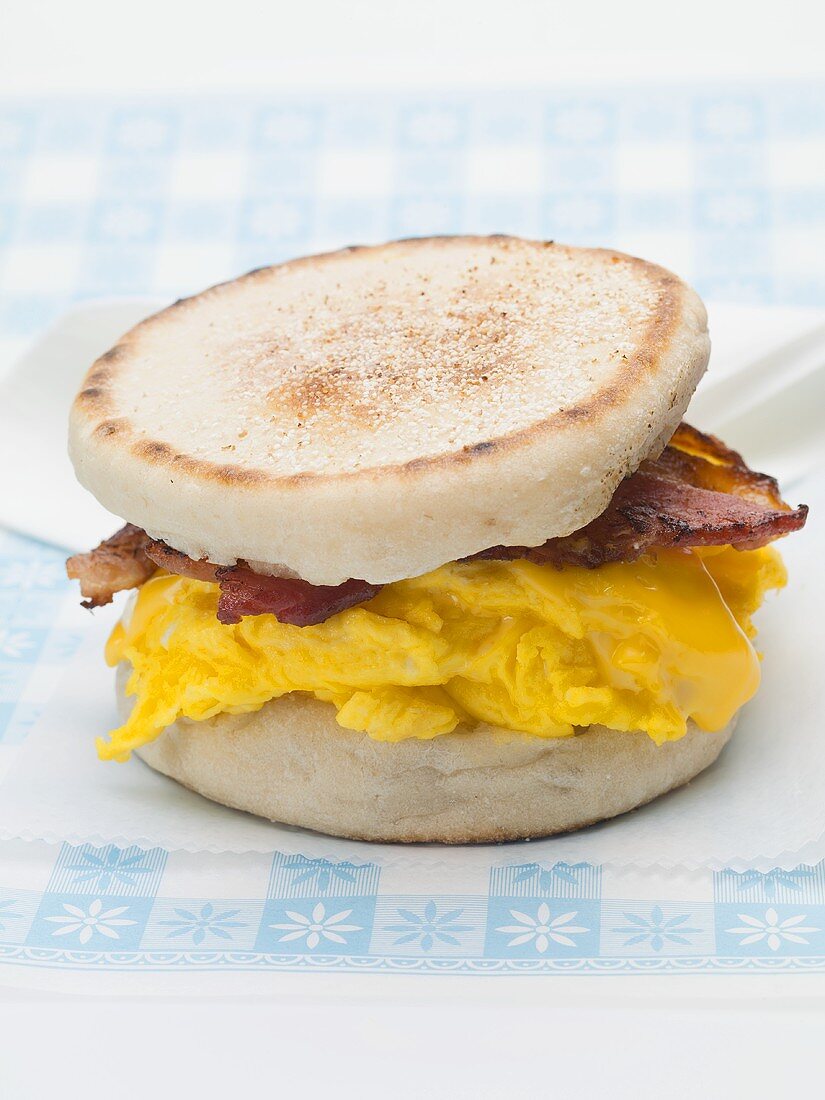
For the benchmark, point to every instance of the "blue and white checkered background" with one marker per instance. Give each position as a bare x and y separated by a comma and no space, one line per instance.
727,186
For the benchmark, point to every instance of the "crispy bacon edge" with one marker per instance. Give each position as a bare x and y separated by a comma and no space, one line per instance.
118,563
697,493
130,557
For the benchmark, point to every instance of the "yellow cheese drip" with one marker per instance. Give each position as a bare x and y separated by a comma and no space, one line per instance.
530,648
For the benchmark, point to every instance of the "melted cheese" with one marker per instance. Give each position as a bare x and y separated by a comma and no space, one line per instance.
530,648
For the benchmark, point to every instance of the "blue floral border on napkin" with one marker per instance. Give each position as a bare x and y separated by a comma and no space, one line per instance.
121,909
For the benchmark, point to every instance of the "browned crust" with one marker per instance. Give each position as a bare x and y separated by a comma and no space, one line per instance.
94,401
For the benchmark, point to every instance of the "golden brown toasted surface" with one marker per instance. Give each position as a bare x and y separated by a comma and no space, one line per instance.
377,411
408,353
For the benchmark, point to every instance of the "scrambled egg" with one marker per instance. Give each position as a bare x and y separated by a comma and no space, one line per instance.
530,648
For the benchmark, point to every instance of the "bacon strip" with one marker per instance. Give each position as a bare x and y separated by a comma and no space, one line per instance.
290,600
245,592
697,493
130,557
117,563
175,561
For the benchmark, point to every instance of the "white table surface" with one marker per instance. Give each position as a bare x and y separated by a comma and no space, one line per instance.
402,1039
168,45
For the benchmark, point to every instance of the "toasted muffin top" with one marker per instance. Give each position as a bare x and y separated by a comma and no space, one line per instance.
377,411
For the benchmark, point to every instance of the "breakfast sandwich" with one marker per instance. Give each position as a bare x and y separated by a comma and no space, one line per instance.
422,547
